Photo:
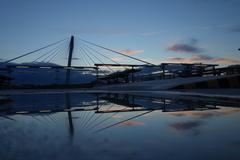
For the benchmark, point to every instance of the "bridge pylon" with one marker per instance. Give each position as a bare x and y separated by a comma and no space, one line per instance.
68,72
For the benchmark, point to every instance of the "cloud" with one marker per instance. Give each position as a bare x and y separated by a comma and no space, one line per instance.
131,52
131,123
201,115
193,58
196,54
204,115
117,116
205,58
234,28
225,61
184,48
180,126
117,59
190,47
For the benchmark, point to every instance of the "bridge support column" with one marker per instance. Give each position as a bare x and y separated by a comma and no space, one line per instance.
71,47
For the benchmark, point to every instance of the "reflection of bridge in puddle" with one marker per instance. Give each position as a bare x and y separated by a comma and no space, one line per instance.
93,106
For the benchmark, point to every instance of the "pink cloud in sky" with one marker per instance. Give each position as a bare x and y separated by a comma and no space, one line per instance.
185,48
204,58
131,123
202,115
196,54
131,52
117,59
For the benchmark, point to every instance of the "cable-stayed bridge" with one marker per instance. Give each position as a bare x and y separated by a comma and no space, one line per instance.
81,55
77,61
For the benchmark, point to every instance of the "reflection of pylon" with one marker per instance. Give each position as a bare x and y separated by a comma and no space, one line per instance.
70,120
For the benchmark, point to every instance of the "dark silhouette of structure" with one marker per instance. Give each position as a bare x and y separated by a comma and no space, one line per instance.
117,73
93,106
71,47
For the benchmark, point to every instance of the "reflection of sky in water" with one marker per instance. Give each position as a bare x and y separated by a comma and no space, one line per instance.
208,134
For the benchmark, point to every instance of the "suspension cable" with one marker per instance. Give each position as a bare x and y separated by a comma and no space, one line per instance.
88,56
51,51
32,52
98,59
100,53
83,54
88,47
54,56
137,59
82,58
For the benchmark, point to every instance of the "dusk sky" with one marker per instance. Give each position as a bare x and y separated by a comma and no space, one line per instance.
206,31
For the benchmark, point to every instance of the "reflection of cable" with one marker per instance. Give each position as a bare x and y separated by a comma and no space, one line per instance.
85,113
86,117
123,121
104,120
87,121
97,117
107,109
6,117
45,119
35,117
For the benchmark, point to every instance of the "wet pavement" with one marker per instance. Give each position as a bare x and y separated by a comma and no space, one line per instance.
118,126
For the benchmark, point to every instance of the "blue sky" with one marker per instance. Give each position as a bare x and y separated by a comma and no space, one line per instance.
206,31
